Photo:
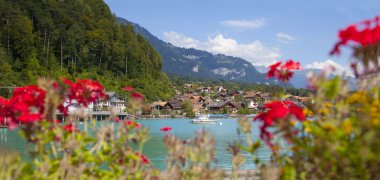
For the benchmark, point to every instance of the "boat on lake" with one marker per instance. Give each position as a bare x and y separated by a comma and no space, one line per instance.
203,120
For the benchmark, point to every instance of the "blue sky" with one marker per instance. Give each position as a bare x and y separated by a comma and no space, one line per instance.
259,31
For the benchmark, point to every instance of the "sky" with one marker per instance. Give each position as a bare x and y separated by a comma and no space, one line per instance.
260,31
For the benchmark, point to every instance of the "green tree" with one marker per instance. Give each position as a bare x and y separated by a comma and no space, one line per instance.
244,111
225,110
77,39
187,108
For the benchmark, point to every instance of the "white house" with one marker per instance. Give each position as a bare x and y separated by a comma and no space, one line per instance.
111,101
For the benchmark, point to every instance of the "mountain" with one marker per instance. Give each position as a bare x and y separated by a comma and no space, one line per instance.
201,64
299,79
76,39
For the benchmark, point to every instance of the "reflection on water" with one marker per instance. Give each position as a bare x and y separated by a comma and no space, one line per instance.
3,137
224,132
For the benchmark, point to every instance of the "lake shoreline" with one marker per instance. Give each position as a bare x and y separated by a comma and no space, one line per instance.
230,116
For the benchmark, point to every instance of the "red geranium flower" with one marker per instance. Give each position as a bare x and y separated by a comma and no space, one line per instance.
137,96
277,110
70,128
283,72
364,33
85,91
166,129
291,65
273,70
27,105
128,88
143,158
64,110
133,124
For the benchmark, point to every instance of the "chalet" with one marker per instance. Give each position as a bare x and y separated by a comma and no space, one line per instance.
197,108
207,89
233,93
203,89
160,106
198,90
251,95
251,104
197,99
251,99
266,96
220,95
175,104
73,106
230,105
113,100
299,101
187,86
219,89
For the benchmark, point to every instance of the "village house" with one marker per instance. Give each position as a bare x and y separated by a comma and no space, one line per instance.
196,99
160,106
197,108
187,86
175,104
219,96
219,89
230,105
112,100
266,96
251,99
232,94
100,109
203,89
300,101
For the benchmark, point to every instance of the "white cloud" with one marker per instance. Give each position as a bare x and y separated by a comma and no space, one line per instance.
245,24
328,64
180,40
285,38
254,52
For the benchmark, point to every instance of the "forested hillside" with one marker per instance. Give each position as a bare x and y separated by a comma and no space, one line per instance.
75,39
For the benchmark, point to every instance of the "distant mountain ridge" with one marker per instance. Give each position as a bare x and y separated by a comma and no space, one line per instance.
204,65
201,64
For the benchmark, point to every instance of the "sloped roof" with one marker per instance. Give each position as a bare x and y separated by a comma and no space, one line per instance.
110,94
265,95
236,104
154,104
195,97
175,103
217,104
306,99
251,94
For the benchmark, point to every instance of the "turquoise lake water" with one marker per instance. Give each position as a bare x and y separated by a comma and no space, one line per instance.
225,131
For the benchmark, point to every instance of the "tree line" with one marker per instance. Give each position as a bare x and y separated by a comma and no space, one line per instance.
75,39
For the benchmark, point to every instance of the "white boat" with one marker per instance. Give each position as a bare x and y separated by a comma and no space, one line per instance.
203,120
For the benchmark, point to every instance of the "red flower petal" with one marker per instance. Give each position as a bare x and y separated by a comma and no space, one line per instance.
143,158
166,129
291,65
133,124
70,128
137,96
283,72
273,70
128,88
